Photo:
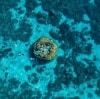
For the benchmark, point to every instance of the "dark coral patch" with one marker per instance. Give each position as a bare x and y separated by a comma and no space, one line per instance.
95,32
7,88
23,33
7,23
54,87
97,92
5,52
33,78
27,68
41,17
30,5
40,69
63,75
76,97
97,2
85,73
13,83
24,86
73,9
98,83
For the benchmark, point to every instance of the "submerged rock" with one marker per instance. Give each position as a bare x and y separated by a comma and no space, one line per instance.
45,48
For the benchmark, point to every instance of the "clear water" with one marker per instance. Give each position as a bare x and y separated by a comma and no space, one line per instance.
74,73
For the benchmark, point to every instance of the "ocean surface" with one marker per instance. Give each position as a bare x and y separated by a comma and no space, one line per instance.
75,71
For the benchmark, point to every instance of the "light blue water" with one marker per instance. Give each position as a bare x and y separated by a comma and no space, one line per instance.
74,25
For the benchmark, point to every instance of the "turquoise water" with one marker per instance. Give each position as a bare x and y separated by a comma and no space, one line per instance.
74,73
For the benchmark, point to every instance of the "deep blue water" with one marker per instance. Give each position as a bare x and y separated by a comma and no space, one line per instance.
75,27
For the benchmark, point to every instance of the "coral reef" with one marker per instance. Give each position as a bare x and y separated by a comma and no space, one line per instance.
74,73
45,48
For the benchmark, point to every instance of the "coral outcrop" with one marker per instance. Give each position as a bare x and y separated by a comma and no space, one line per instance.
45,48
